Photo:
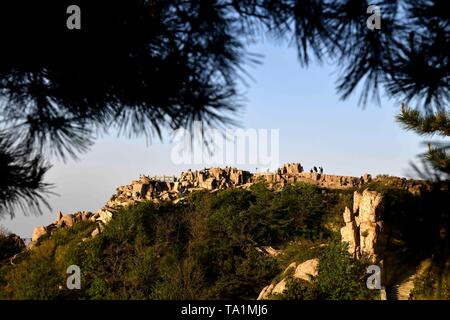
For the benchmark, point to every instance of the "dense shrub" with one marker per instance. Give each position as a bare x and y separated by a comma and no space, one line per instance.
41,272
9,246
340,278
205,248
433,282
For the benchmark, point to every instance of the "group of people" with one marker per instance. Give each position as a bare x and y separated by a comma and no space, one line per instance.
317,170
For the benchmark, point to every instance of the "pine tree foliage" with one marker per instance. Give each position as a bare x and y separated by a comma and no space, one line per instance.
143,67
437,158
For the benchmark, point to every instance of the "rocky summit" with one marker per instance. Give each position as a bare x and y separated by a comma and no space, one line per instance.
363,230
175,189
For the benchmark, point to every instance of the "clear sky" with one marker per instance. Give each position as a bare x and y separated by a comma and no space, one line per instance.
315,128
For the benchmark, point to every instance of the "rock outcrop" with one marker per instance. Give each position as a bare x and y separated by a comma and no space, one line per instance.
175,189
158,189
62,221
307,269
291,169
303,271
38,233
363,230
293,172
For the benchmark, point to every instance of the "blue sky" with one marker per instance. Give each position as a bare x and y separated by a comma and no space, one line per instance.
315,127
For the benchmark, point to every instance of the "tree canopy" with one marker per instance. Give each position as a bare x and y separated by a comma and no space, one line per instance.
142,66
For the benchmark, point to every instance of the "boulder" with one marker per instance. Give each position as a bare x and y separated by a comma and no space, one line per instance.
139,189
366,178
370,208
307,269
201,176
78,216
104,216
370,226
178,200
369,234
176,187
279,287
236,177
356,201
96,232
265,292
303,271
85,216
185,184
66,221
271,251
294,168
165,196
347,215
217,173
38,233
350,235
289,267
291,169
94,217
144,179
210,183
363,230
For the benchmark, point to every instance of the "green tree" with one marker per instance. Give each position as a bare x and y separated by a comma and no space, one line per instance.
340,277
436,159
9,244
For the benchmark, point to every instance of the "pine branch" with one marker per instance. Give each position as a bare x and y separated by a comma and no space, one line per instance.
433,123
439,159
21,184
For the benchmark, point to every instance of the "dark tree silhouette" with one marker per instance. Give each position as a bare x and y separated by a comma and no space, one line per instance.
436,161
21,183
143,66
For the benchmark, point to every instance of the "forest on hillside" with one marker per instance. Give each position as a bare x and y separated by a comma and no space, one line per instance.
209,247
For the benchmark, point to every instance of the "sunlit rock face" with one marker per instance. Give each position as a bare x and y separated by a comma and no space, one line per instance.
363,230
